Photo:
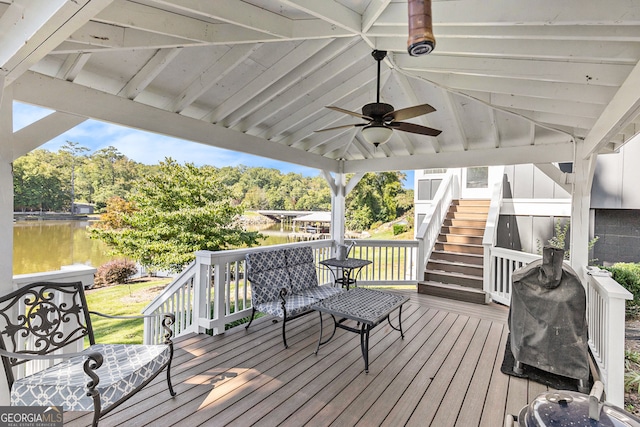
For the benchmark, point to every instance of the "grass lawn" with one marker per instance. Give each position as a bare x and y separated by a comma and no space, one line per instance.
122,300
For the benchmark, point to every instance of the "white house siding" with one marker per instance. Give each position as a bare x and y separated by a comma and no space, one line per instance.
615,202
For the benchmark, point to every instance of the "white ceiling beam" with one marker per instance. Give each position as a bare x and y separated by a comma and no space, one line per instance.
325,62
332,71
373,12
545,12
623,109
330,11
495,130
214,73
363,147
64,96
238,13
612,52
585,33
31,29
72,66
351,137
589,91
148,72
556,120
281,69
328,119
550,71
138,16
557,106
107,37
42,131
332,96
409,93
561,151
458,126
563,179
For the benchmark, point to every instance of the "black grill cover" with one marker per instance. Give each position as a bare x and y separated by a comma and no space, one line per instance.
547,318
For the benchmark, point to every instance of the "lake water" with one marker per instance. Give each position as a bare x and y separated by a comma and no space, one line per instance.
47,245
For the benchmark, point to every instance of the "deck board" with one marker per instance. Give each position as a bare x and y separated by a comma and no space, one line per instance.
445,372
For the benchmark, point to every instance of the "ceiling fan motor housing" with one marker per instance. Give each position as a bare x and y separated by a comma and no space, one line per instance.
377,110
421,40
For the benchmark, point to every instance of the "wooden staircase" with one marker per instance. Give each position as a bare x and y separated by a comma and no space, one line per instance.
455,267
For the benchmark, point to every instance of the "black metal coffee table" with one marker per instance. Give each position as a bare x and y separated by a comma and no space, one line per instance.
368,307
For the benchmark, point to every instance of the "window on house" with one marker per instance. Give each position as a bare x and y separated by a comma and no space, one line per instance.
478,177
427,188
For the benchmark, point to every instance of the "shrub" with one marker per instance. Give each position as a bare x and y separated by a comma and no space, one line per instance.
628,275
115,272
399,229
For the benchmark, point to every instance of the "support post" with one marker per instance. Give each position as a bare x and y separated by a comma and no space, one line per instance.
6,206
583,169
339,191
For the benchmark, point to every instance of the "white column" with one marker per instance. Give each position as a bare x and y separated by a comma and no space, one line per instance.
339,191
6,208
6,188
583,170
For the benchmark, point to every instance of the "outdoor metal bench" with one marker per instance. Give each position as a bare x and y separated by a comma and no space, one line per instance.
284,283
40,321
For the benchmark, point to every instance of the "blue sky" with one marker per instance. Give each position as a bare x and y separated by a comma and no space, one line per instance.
149,148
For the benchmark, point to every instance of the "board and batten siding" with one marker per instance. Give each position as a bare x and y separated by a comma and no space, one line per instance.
615,203
532,203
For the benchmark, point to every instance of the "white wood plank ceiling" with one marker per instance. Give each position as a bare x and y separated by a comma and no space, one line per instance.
512,81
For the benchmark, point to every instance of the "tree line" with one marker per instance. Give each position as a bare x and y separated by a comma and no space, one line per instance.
50,181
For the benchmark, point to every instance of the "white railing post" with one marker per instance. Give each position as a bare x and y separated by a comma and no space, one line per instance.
200,290
606,321
490,237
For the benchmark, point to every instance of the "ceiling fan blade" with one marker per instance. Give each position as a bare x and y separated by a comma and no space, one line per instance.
351,113
413,128
409,113
342,127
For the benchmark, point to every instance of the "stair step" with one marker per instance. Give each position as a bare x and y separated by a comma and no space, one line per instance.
475,259
455,267
471,202
457,222
469,208
456,292
465,231
459,248
478,216
459,238
451,278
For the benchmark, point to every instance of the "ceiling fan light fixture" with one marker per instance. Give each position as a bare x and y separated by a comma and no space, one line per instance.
377,134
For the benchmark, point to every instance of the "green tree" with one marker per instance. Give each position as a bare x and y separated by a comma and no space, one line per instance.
106,174
179,210
38,184
374,199
71,153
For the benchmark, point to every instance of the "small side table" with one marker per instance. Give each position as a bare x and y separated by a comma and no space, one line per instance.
349,267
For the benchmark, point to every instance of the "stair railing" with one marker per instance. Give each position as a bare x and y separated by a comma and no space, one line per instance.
491,234
429,229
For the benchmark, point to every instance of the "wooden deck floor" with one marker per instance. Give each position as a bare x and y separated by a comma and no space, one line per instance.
446,372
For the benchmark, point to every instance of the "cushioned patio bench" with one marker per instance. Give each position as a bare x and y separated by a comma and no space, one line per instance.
284,283
39,319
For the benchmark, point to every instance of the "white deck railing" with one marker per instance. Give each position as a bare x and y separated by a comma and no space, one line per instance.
393,262
214,291
429,230
605,314
606,319
500,267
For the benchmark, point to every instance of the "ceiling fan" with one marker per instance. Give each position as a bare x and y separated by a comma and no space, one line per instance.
382,119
